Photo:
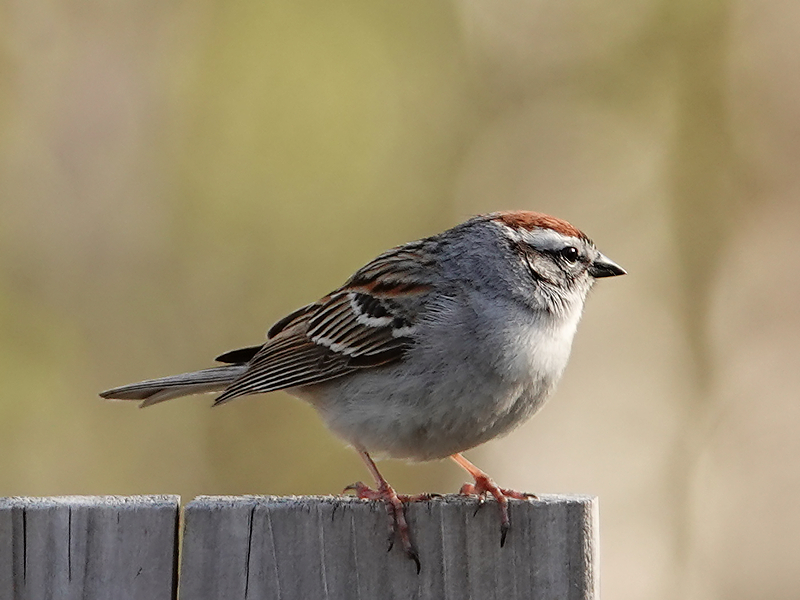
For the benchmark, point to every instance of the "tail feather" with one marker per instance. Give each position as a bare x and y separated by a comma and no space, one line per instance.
158,390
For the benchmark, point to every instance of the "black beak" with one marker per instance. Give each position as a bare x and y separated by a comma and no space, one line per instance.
605,267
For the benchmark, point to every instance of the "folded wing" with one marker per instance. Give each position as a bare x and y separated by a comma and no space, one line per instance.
368,322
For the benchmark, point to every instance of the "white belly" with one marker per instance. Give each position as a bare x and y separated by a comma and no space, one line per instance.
431,406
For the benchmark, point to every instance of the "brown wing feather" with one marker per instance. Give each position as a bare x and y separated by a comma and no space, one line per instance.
239,355
287,360
363,324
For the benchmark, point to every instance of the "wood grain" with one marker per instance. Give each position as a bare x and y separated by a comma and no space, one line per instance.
293,548
88,547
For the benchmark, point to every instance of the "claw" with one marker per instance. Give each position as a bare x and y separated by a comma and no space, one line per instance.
393,502
518,495
469,489
483,487
356,487
412,554
398,527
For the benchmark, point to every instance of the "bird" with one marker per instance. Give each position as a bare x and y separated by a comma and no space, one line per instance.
432,348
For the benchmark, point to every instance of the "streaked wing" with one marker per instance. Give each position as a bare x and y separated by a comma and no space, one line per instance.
286,361
240,355
367,322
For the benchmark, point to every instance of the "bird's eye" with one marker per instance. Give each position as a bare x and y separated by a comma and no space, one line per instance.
570,253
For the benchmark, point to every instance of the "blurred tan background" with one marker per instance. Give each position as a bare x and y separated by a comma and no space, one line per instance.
175,176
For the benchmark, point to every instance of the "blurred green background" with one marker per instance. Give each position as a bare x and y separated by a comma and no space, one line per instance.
175,176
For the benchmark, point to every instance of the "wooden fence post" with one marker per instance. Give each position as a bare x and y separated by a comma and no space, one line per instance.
314,548
89,548
293,548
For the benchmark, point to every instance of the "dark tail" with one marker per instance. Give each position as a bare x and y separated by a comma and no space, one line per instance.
158,390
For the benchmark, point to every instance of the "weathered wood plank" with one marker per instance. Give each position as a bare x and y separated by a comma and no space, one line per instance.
89,547
336,548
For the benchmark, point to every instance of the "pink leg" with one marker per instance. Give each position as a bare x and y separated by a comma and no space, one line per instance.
398,526
485,485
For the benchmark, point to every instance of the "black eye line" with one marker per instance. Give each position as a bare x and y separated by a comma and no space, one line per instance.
524,251
573,258
559,254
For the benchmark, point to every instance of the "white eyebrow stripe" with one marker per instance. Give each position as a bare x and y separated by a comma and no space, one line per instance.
547,239
541,238
513,234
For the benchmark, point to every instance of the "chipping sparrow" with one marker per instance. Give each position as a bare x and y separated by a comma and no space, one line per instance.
432,348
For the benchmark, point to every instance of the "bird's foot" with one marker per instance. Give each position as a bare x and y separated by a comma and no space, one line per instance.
398,526
484,486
